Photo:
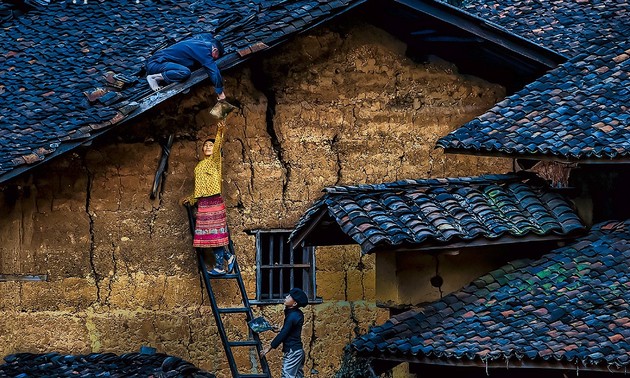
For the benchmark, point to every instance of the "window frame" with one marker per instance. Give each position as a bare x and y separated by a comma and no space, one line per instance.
262,267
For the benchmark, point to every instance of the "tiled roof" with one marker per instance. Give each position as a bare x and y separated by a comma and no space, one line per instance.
411,212
569,27
572,305
53,56
24,365
579,110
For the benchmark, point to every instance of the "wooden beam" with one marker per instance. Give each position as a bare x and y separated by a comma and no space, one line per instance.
485,30
480,242
23,277
310,227
463,151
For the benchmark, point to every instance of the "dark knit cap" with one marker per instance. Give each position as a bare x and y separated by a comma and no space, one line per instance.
299,296
208,37
219,46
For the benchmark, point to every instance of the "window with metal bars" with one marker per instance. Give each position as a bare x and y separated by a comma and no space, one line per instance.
281,268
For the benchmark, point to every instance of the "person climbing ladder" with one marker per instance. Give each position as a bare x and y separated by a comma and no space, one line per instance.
211,229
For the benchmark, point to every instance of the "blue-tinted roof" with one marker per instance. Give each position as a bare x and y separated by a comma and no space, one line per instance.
414,212
572,305
52,364
54,55
579,110
568,27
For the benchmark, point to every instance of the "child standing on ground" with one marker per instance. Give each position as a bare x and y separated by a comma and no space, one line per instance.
291,335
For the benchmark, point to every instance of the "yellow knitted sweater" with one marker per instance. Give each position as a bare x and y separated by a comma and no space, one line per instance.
208,171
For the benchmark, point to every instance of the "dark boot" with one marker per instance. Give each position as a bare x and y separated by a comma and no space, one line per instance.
218,266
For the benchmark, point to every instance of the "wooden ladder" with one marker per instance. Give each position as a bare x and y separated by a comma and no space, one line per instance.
254,340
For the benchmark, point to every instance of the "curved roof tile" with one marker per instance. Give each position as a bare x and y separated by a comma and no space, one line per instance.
54,59
576,111
443,210
579,110
99,365
571,305
565,26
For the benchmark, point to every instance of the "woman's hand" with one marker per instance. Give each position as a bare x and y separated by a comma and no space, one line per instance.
265,351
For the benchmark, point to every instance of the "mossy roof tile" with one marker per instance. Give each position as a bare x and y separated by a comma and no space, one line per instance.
532,320
488,207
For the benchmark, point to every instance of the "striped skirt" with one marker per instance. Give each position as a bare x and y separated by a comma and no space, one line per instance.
211,223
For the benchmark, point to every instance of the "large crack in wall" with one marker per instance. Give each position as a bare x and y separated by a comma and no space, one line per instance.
88,211
353,317
161,183
335,150
264,84
311,343
110,288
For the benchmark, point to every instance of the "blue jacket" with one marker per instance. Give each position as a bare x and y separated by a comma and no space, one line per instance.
291,333
193,53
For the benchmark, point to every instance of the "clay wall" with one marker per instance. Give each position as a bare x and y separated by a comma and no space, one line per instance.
332,107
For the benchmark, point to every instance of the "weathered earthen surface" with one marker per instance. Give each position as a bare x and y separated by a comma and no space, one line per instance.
347,108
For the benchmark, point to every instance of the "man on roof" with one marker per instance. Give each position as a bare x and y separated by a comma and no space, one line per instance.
174,64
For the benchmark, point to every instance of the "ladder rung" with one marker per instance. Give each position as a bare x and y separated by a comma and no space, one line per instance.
243,343
217,311
232,310
279,266
223,276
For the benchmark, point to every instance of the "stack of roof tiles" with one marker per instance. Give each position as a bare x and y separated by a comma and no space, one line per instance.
412,212
24,365
572,305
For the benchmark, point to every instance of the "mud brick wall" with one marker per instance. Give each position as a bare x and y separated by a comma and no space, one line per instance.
329,108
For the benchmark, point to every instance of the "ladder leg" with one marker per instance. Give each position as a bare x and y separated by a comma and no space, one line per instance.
216,311
217,317
250,315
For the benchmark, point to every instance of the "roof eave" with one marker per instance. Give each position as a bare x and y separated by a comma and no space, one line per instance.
458,244
486,31
432,246
387,360
557,158
309,227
